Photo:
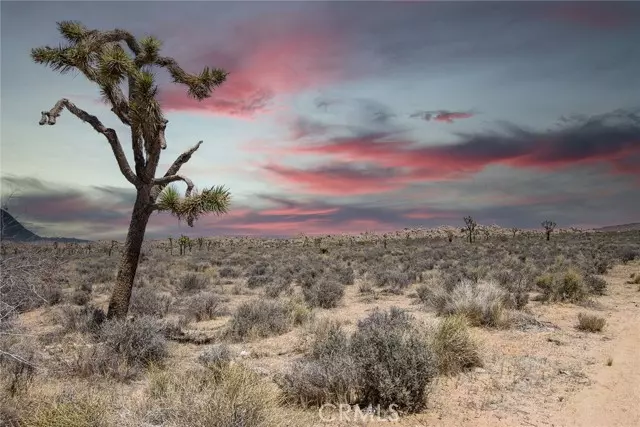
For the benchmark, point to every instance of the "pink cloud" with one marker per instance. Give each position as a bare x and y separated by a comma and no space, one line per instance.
266,58
297,211
334,180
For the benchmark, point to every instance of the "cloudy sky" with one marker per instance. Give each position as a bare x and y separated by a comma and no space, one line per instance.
345,116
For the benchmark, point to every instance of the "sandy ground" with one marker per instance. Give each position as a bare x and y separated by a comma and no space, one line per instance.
557,378
550,374
546,376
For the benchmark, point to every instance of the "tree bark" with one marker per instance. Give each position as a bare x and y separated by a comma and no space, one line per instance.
142,209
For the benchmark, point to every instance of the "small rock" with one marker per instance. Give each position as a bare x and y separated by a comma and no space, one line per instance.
245,353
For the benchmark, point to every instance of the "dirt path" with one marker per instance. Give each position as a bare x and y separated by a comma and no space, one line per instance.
555,378
613,398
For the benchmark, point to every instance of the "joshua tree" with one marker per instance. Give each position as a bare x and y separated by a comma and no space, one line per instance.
548,226
170,245
200,241
183,242
121,66
470,226
514,231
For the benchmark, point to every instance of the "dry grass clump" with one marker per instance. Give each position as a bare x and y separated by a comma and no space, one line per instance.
147,302
81,412
204,305
216,355
481,303
227,396
453,346
590,322
193,282
634,279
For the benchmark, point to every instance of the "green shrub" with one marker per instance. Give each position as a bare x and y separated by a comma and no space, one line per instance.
568,286
453,346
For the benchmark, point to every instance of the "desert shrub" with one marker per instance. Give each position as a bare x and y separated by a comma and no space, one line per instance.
629,254
453,346
601,265
18,366
192,282
481,303
140,341
567,286
365,287
308,275
229,272
278,287
328,374
345,275
147,302
394,363
216,355
231,396
80,297
325,292
83,319
595,285
256,281
260,319
590,323
204,306
393,278
314,382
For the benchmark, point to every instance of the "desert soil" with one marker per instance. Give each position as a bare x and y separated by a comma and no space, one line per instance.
554,377
550,375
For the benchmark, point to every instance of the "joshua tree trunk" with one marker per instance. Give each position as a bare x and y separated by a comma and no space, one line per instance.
109,59
142,209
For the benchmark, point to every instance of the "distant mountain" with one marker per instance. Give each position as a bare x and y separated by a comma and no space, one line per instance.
622,227
11,229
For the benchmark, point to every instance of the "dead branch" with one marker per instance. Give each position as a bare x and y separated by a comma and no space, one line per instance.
49,117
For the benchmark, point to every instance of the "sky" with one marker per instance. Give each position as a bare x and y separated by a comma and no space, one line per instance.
343,116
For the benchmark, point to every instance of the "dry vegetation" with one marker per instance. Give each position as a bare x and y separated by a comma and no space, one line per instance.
258,332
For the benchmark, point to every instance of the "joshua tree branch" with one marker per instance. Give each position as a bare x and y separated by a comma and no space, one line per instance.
182,159
49,117
165,180
174,168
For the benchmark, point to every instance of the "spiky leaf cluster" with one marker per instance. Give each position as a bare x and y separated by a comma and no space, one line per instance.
212,200
101,56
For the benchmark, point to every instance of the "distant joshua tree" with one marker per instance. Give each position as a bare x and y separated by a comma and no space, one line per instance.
121,66
548,226
470,226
